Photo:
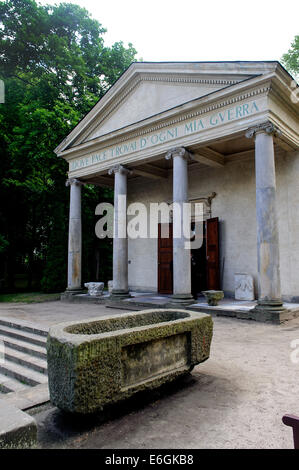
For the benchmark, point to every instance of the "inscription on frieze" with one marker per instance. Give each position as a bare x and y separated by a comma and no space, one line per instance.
206,121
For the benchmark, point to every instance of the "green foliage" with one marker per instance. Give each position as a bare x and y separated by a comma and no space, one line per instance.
3,244
28,298
55,67
291,59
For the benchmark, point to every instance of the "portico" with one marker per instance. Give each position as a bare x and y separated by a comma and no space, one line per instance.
184,132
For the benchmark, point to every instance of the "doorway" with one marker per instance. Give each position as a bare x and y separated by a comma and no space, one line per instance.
204,260
165,266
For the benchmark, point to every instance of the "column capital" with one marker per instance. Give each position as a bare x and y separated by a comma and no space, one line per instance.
265,127
74,181
178,152
119,169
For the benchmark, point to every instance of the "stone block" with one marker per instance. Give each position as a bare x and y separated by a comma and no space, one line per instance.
244,287
102,361
95,289
110,286
18,430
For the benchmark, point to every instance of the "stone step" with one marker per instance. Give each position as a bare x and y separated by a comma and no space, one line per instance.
23,346
24,359
9,384
24,326
23,335
23,374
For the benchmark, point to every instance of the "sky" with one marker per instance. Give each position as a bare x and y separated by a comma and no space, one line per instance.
195,30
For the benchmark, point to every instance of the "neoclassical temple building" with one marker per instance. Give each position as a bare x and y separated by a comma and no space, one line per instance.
222,133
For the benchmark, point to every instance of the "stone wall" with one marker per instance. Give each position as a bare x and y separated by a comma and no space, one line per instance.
235,207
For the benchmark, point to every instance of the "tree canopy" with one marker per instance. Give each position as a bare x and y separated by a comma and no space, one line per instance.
291,59
55,66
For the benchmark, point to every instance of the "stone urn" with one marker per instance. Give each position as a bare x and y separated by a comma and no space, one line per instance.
95,289
213,296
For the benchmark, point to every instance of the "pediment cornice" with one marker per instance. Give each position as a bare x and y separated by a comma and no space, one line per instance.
117,100
223,75
194,109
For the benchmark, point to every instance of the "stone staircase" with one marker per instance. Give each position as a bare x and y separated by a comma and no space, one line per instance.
25,357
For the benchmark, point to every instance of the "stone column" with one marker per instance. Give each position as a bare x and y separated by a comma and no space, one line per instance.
181,254
269,299
120,240
74,285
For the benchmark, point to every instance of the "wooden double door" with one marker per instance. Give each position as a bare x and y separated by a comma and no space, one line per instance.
204,261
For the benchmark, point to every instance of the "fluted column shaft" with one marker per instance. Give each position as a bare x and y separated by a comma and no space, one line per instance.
120,240
181,254
75,237
266,216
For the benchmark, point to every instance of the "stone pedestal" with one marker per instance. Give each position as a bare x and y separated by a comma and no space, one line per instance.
181,254
267,227
95,289
120,240
213,296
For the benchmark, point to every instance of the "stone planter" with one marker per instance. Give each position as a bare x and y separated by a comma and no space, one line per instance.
95,289
213,296
102,361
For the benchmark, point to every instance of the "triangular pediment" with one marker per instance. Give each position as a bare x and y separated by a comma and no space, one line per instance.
148,89
150,97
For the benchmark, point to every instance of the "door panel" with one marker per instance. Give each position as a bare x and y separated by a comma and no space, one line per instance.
165,269
212,253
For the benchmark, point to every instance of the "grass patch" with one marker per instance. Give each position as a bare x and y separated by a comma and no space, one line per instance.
29,297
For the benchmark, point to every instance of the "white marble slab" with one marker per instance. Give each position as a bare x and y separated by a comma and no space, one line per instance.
244,286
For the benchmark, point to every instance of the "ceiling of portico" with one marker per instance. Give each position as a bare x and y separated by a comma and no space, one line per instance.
234,149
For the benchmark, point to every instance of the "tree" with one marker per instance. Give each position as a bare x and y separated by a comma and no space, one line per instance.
55,67
291,59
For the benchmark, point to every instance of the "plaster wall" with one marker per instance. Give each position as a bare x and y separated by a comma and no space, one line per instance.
235,207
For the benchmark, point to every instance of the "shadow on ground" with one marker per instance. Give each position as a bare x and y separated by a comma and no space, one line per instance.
57,429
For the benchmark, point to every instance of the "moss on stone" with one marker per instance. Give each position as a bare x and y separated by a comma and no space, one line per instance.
85,359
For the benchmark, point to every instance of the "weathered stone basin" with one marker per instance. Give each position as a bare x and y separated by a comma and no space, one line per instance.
213,296
101,361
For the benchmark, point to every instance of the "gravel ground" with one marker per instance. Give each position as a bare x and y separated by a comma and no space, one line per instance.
234,400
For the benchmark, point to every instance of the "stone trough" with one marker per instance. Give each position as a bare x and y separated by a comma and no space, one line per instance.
102,361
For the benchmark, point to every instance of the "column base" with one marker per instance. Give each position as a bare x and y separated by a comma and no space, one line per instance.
119,294
271,310
269,306
181,300
69,293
